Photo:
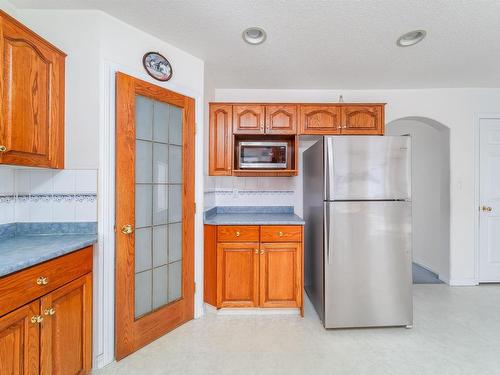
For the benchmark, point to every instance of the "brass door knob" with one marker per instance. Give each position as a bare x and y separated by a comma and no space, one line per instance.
128,229
3,148
42,280
36,319
486,209
51,311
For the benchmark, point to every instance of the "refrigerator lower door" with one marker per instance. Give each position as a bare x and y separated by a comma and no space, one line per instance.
367,168
368,280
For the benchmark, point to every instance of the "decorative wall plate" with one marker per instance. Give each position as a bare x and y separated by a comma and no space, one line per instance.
157,66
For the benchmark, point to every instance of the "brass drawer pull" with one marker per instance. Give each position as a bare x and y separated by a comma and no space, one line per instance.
42,280
36,319
237,234
51,311
280,234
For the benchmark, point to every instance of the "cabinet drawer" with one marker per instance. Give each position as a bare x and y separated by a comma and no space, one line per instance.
281,233
22,287
238,233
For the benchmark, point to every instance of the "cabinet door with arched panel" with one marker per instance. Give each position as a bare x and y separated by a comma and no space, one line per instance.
281,119
248,119
363,119
32,106
319,119
221,140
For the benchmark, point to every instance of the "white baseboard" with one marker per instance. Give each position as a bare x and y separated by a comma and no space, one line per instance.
463,282
445,280
209,309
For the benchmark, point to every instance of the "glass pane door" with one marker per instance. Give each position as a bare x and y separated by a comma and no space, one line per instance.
158,205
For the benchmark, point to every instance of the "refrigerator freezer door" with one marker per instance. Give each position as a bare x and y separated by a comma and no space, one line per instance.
368,279
367,168
313,231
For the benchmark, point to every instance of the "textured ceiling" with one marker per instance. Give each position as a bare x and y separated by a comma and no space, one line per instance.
323,44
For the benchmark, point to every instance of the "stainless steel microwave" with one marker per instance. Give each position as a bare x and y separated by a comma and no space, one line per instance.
262,155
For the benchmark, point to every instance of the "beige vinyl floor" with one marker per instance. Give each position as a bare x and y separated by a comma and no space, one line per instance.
456,331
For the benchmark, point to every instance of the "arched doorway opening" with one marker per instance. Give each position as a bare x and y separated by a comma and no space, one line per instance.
430,195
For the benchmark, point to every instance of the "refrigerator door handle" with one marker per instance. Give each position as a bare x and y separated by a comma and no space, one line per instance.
329,172
328,231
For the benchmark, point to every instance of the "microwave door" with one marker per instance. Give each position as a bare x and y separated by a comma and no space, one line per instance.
262,155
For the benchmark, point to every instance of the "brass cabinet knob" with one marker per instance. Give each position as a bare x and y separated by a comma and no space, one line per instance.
127,229
42,280
36,319
237,234
256,251
51,311
280,234
3,148
261,251
486,209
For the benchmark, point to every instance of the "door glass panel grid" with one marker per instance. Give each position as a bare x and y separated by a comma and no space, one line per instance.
158,205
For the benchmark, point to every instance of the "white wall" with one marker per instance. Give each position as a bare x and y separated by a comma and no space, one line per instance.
454,108
430,191
98,45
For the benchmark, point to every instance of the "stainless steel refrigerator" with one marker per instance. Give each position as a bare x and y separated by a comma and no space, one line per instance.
357,208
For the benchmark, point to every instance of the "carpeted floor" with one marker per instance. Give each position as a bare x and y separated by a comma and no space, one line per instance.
423,276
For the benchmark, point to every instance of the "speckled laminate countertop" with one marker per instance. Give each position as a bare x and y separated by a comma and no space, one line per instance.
266,215
23,245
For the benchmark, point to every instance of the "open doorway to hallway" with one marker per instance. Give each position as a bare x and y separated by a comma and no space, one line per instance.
430,196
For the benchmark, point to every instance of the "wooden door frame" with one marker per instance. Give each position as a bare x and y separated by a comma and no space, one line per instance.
130,334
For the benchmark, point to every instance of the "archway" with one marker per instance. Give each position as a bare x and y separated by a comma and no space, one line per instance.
430,194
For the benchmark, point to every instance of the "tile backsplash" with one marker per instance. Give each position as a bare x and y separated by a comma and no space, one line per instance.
41,195
250,191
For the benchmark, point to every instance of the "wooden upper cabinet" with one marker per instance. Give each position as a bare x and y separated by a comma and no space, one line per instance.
221,140
237,274
248,119
319,119
32,85
281,119
281,275
363,119
19,341
66,334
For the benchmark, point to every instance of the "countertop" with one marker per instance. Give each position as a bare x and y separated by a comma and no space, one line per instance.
23,245
265,215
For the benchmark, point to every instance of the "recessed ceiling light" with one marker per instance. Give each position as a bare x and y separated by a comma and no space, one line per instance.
254,35
411,38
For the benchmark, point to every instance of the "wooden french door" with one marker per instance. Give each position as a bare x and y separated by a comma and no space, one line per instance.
154,212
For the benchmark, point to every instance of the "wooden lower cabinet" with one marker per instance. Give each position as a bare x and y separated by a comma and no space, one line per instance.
51,335
19,341
67,324
238,274
254,274
280,275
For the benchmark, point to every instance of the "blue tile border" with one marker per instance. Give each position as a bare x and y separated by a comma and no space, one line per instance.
34,229
47,197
